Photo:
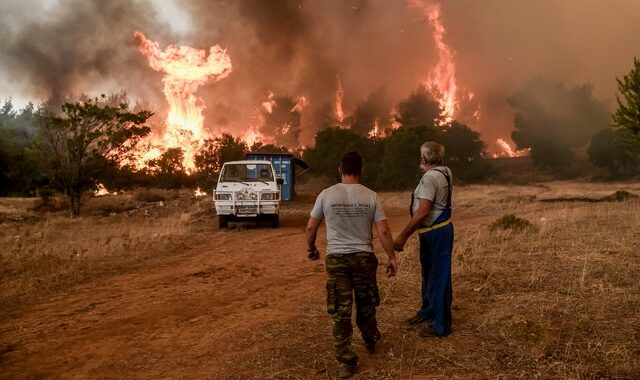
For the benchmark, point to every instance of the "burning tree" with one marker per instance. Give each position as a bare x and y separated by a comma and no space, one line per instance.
89,135
282,119
371,117
185,70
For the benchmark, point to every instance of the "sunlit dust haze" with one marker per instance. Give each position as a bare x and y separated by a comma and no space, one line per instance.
210,67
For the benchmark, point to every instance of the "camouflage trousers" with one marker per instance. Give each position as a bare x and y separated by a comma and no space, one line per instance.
348,275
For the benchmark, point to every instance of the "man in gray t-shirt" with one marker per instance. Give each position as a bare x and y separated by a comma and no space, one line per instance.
350,211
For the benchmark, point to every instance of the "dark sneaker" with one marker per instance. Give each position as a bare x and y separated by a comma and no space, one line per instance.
345,371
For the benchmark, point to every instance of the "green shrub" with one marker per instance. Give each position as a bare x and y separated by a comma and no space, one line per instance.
511,222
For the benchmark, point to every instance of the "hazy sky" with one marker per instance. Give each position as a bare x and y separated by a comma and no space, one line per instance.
298,47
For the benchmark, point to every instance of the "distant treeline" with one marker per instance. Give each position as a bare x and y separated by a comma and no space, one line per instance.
68,146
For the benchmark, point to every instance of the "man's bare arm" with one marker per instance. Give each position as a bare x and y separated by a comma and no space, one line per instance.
384,233
312,232
424,208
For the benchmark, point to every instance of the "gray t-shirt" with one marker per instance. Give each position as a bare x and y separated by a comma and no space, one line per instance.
349,211
433,186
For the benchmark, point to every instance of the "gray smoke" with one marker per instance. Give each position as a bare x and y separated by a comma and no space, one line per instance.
298,47
78,46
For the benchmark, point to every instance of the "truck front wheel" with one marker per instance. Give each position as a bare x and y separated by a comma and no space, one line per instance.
223,221
275,221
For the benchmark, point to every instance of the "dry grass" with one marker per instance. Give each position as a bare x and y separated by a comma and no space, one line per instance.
151,195
43,252
561,300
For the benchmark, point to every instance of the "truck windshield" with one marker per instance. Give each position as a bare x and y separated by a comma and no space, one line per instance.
246,173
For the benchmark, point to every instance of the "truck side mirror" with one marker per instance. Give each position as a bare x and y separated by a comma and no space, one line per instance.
279,181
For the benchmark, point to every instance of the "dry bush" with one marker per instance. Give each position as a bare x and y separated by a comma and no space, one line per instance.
620,196
151,195
511,222
110,204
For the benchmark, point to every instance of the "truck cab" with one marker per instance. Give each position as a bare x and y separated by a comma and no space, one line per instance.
247,190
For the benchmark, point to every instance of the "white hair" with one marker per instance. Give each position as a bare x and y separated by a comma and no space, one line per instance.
432,153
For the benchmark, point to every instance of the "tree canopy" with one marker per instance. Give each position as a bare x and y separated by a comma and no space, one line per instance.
618,149
330,145
552,120
75,145
213,154
19,171
419,109
615,150
628,113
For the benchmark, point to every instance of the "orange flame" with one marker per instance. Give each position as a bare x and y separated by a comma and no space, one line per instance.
301,103
375,132
185,69
443,77
339,95
199,193
252,136
269,103
506,150
101,191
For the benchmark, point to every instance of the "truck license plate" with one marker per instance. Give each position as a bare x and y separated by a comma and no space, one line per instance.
247,210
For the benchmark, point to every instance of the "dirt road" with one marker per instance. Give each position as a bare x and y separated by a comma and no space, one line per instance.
204,312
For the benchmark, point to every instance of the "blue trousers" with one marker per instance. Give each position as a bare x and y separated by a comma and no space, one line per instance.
436,247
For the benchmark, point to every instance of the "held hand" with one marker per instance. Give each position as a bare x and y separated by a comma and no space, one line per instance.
392,268
313,254
399,243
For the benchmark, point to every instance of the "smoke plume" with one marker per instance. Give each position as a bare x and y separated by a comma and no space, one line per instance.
299,48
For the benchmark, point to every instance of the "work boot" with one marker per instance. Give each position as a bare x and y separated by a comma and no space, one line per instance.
425,330
416,320
370,346
345,371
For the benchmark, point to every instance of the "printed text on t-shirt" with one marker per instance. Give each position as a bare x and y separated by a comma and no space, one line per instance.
350,210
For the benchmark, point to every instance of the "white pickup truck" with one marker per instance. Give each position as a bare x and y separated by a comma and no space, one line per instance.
247,190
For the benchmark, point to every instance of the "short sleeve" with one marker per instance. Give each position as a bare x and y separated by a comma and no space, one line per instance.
379,214
317,211
427,188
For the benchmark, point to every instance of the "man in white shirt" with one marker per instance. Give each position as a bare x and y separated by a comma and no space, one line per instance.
351,211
